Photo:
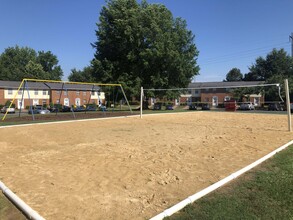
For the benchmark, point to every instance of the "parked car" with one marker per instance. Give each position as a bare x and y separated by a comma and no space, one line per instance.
275,107
65,108
103,108
8,110
246,106
157,106
205,106
53,109
91,108
38,109
79,109
192,107
169,107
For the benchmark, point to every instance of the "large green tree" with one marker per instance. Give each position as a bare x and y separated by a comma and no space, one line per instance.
17,63
234,75
84,75
143,45
274,68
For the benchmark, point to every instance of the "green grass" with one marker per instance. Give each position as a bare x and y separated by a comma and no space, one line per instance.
264,193
8,210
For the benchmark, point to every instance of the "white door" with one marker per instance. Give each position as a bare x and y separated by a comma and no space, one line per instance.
215,100
77,101
20,104
66,102
256,101
35,101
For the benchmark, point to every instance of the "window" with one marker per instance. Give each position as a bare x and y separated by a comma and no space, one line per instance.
196,91
207,90
44,102
77,92
10,91
19,92
44,92
206,100
227,98
36,92
84,93
57,92
84,101
65,92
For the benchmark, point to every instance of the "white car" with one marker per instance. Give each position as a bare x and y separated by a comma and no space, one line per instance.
246,106
8,110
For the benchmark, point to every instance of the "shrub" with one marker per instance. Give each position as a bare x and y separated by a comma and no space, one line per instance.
8,102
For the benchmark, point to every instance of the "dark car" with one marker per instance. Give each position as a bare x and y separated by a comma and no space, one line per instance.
157,106
103,108
38,109
169,107
91,108
275,107
53,109
65,108
192,107
205,107
79,109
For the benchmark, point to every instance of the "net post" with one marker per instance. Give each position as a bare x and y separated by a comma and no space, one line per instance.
288,105
125,98
141,101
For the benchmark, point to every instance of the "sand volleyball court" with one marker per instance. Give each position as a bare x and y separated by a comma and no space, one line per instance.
130,168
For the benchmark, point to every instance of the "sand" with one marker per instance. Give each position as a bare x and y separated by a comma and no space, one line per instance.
131,168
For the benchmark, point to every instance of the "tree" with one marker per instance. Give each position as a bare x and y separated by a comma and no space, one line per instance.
143,45
84,75
234,75
276,67
277,62
17,63
50,65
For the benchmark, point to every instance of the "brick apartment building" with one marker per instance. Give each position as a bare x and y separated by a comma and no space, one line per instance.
39,93
216,93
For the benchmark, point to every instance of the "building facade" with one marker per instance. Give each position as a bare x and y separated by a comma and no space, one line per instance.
37,93
216,93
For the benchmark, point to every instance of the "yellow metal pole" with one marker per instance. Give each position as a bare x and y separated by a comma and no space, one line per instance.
67,82
3,118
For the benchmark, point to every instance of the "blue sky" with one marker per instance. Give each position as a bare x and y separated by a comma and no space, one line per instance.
228,33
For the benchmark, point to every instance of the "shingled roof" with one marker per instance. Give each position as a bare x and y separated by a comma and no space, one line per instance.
43,85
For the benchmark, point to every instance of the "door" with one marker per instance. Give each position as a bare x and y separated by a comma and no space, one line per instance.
215,100
66,102
77,101
35,101
20,104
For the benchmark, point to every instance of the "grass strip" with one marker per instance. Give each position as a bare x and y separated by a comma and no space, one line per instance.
8,211
265,192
